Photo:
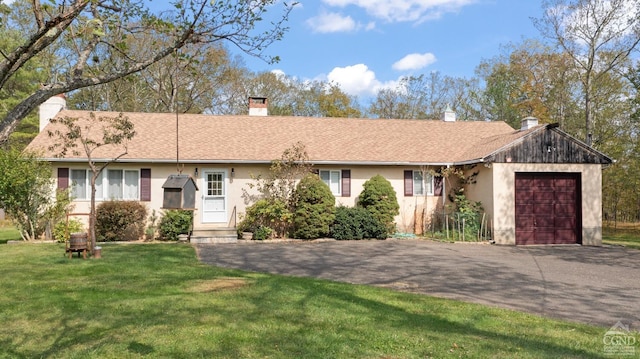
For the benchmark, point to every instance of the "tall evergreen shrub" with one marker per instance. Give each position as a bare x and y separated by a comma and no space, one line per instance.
314,208
379,198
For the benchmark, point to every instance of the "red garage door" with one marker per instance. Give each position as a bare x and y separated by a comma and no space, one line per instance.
547,208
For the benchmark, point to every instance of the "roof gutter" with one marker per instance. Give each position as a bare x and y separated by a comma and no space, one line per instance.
235,161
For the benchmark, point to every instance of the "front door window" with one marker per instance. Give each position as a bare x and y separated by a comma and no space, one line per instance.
214,200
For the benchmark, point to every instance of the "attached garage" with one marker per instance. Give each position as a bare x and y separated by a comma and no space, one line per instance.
547,208
541,187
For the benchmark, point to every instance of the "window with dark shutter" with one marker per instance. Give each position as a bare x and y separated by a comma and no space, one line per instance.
63,178
346,183
145,184
408,183
437,186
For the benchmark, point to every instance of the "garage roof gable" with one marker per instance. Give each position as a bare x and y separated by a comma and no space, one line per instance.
548,144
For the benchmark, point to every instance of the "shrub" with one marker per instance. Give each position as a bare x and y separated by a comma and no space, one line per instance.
379,198
174,223
269,213
466,214
57,213
261,233
120,220
314,208
356,223
62,229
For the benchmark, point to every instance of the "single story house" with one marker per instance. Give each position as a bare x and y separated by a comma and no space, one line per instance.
537,184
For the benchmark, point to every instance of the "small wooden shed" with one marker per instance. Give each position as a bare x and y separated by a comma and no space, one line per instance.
179,192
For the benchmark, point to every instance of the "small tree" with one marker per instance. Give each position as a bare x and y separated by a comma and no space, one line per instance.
379,198
275,196
314,208
280,182
115,131
25,191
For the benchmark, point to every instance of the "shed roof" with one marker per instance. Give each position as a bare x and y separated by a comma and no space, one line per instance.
179,181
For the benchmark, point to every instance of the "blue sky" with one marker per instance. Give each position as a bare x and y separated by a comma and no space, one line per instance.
365,45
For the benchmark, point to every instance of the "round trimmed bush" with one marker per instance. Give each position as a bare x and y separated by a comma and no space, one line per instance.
379,198
314,208
120,220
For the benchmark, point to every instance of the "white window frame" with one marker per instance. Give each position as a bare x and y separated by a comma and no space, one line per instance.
73,182
420,183
338,190
102,184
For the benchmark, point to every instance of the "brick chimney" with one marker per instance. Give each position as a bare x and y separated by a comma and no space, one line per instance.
528,123
258,106
50,108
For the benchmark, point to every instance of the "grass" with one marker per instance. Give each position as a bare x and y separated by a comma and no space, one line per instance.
8,232
158,301
623,234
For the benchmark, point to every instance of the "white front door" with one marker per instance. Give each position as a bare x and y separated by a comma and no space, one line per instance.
214,199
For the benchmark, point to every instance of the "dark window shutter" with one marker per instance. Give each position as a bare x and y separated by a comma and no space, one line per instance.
63,178
346,183
437,186
145,184
408,183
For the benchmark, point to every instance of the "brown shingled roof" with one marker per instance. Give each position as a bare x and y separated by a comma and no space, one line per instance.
207,138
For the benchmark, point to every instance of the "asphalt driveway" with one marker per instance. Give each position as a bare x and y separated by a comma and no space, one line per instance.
596,285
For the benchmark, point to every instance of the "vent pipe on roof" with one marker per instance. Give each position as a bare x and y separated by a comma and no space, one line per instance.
528,123
449,115
258,106
50,108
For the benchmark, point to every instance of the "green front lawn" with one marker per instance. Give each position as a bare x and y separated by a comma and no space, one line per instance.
8,232
157,300
624,234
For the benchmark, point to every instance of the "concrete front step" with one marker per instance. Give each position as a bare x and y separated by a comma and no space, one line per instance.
214,235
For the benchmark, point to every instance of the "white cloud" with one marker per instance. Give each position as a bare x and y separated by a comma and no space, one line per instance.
278,72
414,62
370,26
404,10
331,22
357,80
328,22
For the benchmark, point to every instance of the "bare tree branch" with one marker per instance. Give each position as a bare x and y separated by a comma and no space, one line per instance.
93,40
